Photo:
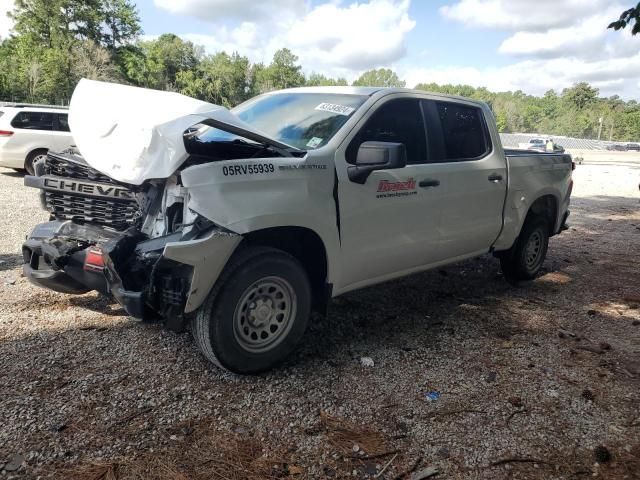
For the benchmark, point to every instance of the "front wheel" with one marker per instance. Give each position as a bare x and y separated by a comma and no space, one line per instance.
524,259
256,314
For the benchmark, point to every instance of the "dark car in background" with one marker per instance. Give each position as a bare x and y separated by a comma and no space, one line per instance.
617,147
633,147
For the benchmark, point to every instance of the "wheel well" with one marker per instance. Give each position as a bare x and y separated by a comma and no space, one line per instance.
34,152
545,207
306,246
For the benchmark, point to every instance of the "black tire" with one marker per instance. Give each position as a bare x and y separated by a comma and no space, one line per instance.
31,158
224,326
524,259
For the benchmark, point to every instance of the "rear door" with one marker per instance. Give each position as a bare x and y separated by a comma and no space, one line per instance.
389,224
473,174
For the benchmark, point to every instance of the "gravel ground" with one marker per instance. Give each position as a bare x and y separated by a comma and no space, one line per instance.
537,380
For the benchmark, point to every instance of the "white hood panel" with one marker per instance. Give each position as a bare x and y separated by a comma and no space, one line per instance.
135,134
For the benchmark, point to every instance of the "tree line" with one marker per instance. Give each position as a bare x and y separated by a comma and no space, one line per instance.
57,42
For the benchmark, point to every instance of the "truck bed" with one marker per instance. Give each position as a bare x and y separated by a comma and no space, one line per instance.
533,175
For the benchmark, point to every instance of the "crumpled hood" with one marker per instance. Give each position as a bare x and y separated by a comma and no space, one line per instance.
135,134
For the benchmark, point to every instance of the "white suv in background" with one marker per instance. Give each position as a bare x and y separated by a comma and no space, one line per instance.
27,132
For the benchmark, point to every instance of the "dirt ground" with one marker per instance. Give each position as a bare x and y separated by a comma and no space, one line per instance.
471,377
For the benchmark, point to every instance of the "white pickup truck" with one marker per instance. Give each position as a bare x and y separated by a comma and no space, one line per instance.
242,222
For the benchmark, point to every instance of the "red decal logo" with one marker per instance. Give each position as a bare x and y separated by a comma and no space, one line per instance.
387,186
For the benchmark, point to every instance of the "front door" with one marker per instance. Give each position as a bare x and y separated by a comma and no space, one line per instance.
389,224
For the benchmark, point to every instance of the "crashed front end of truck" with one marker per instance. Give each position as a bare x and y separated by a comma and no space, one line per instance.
143,245
139,240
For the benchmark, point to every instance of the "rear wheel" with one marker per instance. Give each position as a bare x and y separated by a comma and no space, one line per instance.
524,259
32,158
257,312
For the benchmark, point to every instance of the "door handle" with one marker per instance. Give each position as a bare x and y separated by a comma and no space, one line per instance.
495,178
429,182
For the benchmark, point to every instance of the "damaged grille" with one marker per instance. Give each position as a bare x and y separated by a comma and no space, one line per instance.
72,190
115,214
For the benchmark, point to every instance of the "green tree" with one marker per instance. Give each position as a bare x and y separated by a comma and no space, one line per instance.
49,34
501,121
581,95
221,79
382,77
627,18
120,23
283,72
58,23
317,80
94,62
157,63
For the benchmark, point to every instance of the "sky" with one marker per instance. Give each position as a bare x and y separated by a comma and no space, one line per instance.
528,45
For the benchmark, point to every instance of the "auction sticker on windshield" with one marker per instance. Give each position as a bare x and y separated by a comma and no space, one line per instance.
314,142
335,108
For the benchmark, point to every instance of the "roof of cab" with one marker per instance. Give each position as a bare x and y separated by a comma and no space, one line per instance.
328,89
369,91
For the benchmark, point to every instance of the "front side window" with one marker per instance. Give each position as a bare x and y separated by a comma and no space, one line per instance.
460,132
33,121
398,121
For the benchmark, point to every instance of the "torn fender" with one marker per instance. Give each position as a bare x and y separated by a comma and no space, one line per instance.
282,192
135,134
207,256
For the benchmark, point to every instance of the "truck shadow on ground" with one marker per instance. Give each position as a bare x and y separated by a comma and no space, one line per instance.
417,311
9,261
473,299
100,303
13,173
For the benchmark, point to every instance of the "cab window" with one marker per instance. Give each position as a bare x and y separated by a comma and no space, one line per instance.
457,132
397,121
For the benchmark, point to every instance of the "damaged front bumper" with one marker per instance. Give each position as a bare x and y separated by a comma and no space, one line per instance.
163,277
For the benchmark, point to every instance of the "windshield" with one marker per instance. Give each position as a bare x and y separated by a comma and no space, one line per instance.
302,120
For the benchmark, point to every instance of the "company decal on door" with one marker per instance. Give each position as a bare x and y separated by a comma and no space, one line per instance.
388,189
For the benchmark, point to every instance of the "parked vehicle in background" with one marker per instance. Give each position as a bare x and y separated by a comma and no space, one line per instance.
534,143
540,145
28,132
633,147
255,217
616,147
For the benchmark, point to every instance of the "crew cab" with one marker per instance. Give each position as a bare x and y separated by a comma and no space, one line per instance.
242,222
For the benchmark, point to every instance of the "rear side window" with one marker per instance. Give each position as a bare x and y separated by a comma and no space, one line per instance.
1,113
456,132
396,121
33,121
63,122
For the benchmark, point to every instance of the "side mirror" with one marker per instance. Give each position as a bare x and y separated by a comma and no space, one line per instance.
377,156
